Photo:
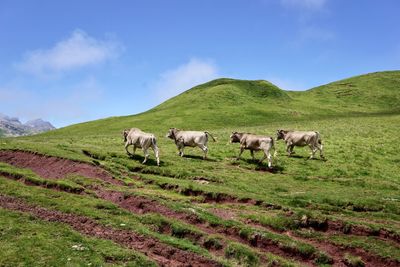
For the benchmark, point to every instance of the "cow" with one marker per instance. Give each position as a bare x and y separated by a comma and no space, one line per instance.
299,138
253,143
189,138
139,139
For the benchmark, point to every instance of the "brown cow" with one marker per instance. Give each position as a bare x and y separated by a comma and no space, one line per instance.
253,143
137,138
299,138
189,138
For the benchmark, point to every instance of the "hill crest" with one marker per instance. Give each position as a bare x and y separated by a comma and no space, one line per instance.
235,103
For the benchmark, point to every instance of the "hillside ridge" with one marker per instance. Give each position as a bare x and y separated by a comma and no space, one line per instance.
236,103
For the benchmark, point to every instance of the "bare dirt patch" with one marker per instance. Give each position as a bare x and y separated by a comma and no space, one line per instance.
54,167
141,205
225,214
163,254
336,252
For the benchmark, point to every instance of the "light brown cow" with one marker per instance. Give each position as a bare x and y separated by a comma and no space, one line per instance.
253,143
139,139
189,138
299,138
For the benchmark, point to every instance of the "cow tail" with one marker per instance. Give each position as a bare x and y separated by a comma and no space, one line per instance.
208,134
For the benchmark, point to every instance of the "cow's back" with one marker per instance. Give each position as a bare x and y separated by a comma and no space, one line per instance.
192,138
301,138
139,138
252,141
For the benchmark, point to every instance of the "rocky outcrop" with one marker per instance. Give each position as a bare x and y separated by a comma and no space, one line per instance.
11,126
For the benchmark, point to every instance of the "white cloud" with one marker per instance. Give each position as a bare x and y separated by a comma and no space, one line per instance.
175,81
311,5
77,51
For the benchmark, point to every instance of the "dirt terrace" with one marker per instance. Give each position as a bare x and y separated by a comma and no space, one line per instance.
54,167
163,254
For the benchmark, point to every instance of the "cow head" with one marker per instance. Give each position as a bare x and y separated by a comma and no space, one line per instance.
125,134
235,137
171,133
280,134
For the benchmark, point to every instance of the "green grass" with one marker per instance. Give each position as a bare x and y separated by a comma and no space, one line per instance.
27,241
104,212
358,184
371,244
243,255
353,261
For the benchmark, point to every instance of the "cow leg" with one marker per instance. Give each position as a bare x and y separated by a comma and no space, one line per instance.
134,150
252,154
205,150
313,150
146,155
240,152
321,153
289,149
269,160
126,148
155,149
180,147
267,154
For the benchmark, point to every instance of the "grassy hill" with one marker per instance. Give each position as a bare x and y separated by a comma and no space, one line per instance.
304,212
236,103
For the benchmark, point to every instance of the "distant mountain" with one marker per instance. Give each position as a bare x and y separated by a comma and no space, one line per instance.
11,126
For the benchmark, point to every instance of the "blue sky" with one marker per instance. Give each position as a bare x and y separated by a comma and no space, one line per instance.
74,61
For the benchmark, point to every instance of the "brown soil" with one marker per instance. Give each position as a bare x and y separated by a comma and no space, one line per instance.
336,252
141,205
340,227
359,230
220,198
54,167
52,186
225,214
163,254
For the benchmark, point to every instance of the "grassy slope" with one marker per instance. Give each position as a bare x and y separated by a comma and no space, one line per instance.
355,116
234,103
54,244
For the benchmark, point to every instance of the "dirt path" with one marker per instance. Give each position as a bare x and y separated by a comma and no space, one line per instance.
163,254
336,252
141,205
54,167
